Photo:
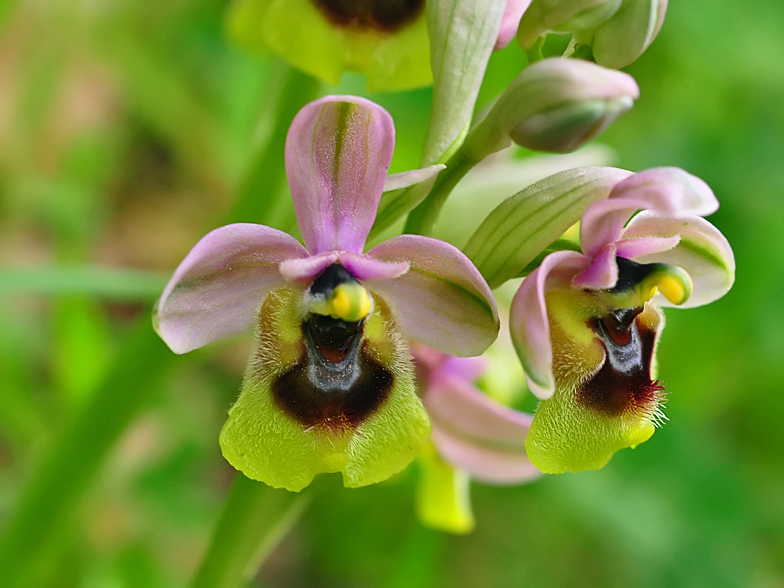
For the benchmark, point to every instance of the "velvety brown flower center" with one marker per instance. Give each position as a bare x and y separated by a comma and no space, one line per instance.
335,384
624,381
381,15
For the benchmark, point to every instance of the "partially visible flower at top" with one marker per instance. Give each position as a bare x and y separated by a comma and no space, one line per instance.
387,40
330,386
510,21
585,325
618,31
473,437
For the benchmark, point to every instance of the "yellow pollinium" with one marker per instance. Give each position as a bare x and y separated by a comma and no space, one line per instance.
672,281
349,302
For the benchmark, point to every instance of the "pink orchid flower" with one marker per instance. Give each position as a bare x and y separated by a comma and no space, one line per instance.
330,386
585,324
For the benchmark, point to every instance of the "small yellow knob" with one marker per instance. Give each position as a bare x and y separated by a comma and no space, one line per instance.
349,302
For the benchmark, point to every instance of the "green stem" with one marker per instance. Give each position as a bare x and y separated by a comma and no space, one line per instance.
255,518
261,197
423,218
78,453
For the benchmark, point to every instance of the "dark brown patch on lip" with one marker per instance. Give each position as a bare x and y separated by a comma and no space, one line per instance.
335,384
382,15
624,381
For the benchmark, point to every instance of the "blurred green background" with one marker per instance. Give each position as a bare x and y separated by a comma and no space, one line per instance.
127,129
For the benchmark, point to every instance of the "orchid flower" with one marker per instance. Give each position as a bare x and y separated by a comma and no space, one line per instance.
473,437
330,386
387,40
586,324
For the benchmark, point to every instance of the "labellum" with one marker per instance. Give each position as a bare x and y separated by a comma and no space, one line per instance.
606,397
326,394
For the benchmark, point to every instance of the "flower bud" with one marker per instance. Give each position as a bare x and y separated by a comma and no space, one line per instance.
625,36
562,16
618,31
554,105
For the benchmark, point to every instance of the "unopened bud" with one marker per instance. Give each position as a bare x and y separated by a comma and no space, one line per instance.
554,105
625,36
618,31
562,16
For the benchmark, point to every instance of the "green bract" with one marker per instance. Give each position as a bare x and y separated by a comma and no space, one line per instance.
522,226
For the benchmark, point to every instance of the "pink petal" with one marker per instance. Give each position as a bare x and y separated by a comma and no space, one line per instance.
667,190
510,21
465,368
361,267
475,433
308,268
602,273
603,222
216,290
529,322
364,267
670,191
427,357
337,155
443,300
632,248
702,251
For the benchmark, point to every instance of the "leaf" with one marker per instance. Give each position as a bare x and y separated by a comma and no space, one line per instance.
462,36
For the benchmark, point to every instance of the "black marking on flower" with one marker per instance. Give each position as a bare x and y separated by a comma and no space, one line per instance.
623,383
335,384
332,277
382,15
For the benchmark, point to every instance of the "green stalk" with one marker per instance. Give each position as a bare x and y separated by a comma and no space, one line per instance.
255,518
78,453
423,218
261,197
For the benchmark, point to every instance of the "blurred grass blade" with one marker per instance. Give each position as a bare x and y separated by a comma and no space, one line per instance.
107,283
78,453
255,518
6,6
263,189
417,565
